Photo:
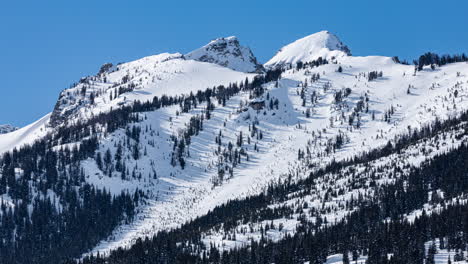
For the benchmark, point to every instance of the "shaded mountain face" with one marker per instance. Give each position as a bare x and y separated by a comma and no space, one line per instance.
7,129
227,52
322,44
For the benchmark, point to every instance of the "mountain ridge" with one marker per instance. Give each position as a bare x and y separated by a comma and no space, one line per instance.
227,52
168,142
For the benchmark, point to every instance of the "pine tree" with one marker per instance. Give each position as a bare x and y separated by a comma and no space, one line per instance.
99,160
346,257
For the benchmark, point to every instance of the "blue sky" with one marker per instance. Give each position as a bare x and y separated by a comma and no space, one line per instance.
47,45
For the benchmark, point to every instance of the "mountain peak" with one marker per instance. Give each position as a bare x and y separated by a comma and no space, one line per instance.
230,38
321,44
227,52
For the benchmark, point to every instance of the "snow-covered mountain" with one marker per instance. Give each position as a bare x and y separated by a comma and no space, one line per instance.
7,129
163,74
322,44
227,52
185,134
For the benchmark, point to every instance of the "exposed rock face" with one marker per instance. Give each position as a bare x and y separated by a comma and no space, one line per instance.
7,129
227,52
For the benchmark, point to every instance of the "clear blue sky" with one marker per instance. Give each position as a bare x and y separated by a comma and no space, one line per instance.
47,45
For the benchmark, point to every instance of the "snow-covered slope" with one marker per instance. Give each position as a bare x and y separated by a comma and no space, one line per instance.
412,99
293,133
163,74
287,129
24,135
229,53
322,44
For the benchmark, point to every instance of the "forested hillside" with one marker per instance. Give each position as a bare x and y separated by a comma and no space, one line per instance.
317,156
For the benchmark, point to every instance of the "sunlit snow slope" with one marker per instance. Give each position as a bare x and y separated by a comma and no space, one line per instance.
322,44
287,129
304,112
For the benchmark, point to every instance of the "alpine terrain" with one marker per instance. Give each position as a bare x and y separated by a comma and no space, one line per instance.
316,156
7,129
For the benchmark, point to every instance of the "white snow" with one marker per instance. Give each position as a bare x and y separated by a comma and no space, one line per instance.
322,44
25,135
163,74
442,255
177,195
190,193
